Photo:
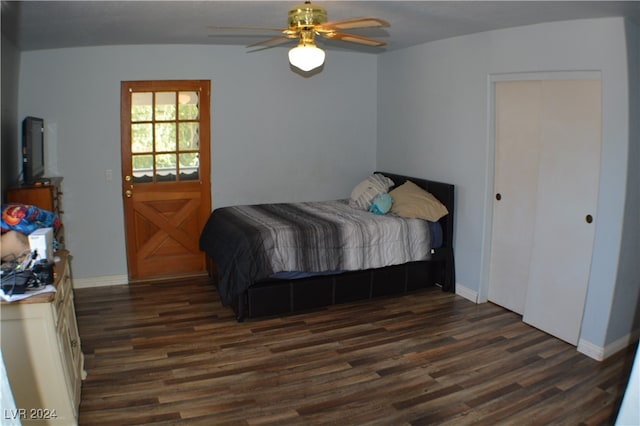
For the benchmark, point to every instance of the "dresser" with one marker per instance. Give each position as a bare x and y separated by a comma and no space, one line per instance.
47,196
42,353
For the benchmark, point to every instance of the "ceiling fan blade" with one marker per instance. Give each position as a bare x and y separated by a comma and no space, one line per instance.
236,36
271,42
225,28
354,39
353,24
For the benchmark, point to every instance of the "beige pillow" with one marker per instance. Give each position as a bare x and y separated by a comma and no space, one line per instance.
411,201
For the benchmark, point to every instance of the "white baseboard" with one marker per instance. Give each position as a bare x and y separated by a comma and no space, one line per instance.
103,281
589,349
467,293
600,353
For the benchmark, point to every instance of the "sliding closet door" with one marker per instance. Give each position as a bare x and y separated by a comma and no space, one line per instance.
516,186
548,137
569,171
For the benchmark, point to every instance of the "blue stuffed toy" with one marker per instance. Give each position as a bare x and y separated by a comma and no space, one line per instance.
382,204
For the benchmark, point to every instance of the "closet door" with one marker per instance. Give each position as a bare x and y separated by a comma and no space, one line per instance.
548,137
516,186
568,179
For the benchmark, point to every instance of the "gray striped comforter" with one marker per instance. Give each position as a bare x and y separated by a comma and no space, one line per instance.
252,242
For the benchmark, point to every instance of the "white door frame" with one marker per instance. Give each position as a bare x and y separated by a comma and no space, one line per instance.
485,261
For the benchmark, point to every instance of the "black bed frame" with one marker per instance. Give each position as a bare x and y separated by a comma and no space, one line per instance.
271,297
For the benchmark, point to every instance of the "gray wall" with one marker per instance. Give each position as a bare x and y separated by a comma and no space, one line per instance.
275,135
627,292
434,120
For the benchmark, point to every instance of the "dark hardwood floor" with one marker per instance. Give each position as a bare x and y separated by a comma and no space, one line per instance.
169,353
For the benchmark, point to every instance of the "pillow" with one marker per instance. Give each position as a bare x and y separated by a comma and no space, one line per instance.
382,204
366,191
411,201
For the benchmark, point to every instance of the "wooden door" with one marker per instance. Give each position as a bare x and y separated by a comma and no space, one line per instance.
166,175
547,173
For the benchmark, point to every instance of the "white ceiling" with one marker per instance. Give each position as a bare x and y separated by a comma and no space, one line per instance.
33,25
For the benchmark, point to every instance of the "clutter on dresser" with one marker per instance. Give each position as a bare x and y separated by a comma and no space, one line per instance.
27,267
35,205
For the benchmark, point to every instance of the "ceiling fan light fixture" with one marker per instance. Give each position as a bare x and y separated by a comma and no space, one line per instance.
307,57
306,21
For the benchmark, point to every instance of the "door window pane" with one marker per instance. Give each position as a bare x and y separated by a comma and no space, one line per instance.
165,137
166,167
165,106
141,138
142,168
188,106
189,136
141,106
189,166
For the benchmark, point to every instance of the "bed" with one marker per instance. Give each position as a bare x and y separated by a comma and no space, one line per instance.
265,261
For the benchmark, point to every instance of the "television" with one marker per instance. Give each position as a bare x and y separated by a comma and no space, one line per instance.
32,149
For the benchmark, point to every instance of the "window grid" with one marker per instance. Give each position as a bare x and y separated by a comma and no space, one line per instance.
165,136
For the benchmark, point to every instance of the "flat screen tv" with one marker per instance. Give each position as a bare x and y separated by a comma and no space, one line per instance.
32,149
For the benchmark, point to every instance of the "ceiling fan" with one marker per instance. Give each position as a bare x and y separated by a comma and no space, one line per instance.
306,21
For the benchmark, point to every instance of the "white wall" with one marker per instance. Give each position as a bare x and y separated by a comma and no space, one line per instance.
434,122
275,135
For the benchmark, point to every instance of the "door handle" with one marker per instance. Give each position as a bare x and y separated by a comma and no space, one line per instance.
498,196
588,218
128,193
